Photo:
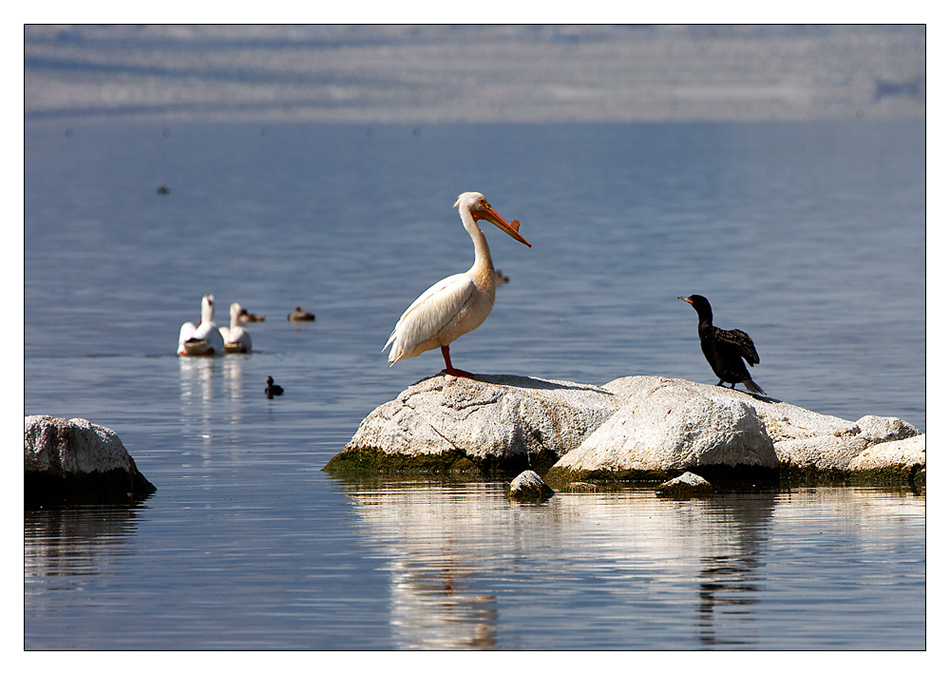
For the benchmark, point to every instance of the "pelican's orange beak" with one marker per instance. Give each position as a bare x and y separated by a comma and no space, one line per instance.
486,212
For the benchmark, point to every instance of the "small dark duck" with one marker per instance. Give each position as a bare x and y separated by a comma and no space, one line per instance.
300,315
272,389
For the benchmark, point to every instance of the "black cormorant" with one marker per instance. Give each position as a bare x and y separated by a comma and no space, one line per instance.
725,349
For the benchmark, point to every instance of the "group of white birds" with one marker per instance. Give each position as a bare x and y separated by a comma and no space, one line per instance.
206,339
449,309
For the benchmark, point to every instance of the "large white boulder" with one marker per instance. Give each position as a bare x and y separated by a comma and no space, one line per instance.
666,426
493,421
632,428
77,461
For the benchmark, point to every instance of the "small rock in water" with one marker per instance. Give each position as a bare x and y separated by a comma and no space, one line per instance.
685,486
528,486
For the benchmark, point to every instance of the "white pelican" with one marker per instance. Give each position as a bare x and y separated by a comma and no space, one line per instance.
205,340
458,304
236,339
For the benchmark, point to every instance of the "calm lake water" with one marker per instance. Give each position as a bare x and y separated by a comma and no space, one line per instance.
808,236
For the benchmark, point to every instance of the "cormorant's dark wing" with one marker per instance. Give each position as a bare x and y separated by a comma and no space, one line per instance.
741,342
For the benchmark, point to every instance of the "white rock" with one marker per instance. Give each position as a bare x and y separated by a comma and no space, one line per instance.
783,420
688,484
72,446
529,486
667,424
632,424
63,454
834,448
496,416
802,439
904,453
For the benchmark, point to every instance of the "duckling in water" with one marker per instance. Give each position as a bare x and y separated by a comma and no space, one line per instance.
247,317
300,315
272,389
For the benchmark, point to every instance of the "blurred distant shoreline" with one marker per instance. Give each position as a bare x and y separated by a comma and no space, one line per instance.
474,74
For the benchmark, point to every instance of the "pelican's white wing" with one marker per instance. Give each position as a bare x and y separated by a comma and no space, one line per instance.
432,311
238,340
187,331
209,331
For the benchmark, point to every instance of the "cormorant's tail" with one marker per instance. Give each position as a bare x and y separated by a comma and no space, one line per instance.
753,387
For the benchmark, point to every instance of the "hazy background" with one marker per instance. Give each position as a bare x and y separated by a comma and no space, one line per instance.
431,74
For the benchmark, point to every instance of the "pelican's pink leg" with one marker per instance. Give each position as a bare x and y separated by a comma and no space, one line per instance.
449,370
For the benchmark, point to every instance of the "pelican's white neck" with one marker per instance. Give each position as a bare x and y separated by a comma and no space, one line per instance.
482,254
207,309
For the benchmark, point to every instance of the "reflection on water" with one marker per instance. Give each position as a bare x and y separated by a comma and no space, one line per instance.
434,551
209,387
469,570
197,393
433,607
74,542
729,583
458,566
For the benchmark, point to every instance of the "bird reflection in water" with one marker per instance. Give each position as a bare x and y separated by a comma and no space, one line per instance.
434,609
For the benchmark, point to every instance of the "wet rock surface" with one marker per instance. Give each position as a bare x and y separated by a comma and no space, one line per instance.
528,486
685,486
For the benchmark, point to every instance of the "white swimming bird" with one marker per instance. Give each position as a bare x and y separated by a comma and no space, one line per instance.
236,339
458,304
205,340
